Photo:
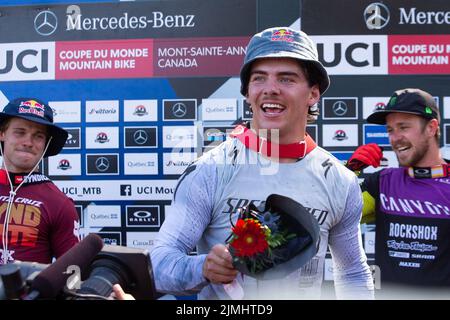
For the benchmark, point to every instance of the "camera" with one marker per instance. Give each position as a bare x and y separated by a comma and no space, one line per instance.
129,267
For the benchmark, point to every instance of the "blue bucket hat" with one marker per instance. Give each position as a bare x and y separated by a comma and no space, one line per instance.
282,42
35,110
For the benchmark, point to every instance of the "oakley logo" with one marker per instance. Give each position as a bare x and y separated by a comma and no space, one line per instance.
376,16
45,23
142,214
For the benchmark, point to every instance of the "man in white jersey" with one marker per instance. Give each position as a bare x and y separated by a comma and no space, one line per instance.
282,80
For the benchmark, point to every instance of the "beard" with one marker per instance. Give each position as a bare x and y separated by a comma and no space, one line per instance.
420,150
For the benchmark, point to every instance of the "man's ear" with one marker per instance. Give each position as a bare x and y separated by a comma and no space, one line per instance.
433,127
314,95
2,136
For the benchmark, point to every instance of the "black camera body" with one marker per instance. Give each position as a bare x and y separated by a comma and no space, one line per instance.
129,267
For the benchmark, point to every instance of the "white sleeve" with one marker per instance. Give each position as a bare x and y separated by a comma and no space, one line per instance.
352,275
175,271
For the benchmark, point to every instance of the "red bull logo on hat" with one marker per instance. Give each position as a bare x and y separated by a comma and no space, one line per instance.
282,35
33,107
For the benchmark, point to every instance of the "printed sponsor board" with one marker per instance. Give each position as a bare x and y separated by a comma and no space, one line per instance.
130,190
130,58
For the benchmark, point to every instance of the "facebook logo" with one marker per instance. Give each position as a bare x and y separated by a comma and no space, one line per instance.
125,189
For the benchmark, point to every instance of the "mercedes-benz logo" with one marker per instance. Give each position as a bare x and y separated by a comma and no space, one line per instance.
179,109
140,137
45,23
376,16
102,164
340,108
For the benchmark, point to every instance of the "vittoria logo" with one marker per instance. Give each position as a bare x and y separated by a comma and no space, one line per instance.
340,135
102,111
102,137
140,111
64,164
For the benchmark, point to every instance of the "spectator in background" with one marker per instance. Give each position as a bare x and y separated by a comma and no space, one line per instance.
410,205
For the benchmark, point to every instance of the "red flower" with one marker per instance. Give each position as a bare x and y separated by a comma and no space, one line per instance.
249,238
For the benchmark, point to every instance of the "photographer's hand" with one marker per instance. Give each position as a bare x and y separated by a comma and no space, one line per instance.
218,266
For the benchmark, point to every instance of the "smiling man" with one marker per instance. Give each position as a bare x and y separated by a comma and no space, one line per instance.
37,221
282,79
411,204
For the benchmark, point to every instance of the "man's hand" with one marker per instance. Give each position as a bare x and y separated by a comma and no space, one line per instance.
119,294
367,155
218,267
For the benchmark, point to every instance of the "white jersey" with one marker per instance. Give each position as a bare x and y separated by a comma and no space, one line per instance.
231,176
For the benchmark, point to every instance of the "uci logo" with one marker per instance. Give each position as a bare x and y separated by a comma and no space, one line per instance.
376,16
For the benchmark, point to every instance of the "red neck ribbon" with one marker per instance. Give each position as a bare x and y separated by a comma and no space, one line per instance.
270,149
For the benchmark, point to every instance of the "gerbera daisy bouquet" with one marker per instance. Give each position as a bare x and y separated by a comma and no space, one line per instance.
271,242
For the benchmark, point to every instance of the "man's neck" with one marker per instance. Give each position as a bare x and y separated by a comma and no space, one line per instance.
432,158
275,136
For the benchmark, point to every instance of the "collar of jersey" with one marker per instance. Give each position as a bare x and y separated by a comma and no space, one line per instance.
17,178
439,171
270,149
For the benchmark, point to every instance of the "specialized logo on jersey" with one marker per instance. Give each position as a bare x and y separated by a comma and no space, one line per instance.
327,165
233,204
